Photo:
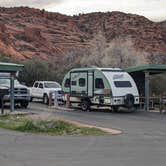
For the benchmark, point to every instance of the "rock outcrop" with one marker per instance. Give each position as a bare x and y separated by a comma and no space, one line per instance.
27,32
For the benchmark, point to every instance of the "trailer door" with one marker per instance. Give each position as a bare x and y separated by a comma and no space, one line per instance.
90,83
82,83
79,83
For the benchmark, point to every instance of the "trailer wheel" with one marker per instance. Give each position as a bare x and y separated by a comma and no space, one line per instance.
129,101
115,109
132,109
85,105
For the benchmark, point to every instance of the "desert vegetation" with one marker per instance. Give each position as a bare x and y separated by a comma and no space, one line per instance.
119,52
52,126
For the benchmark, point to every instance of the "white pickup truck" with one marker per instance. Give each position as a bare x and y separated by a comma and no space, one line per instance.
42,89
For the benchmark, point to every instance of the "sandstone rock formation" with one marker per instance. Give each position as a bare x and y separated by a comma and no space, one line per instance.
26,32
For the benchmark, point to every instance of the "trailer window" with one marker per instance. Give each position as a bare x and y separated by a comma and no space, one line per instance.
67,83
99,83
123,84
74,83
82,82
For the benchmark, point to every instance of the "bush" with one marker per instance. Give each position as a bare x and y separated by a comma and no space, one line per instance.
52,127
20,37
35,69
38,69
157,84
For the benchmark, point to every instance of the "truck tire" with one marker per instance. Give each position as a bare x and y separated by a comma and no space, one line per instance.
24,104
0,103
45,99
85,105
31,99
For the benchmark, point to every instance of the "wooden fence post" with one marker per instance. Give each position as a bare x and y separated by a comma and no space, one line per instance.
161,105
50,99
67,100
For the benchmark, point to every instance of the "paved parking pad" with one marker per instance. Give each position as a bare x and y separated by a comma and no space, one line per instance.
143,142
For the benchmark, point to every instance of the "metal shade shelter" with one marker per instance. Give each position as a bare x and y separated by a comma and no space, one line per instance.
141,76
12,69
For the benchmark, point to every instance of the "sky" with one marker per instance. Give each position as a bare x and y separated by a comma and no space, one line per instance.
152,9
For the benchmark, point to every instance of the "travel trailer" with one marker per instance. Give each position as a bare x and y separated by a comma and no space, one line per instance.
101,86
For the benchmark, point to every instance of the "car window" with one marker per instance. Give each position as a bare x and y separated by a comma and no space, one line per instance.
6,81
41,85
36,84
51,85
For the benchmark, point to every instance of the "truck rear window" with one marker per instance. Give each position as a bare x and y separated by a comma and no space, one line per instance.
123,84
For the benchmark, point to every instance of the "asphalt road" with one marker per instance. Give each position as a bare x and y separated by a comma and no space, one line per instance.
142,143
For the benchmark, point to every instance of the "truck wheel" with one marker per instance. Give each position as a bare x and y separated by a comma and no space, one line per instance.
45,99
85,105
1,103
24,104
31,99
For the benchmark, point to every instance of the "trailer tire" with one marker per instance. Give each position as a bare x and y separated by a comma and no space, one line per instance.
115,109
1,103
129,101
85,105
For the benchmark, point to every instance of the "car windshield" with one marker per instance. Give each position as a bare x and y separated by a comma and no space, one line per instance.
7,82
51,85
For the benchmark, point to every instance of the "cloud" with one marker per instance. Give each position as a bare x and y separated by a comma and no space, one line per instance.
31,3
153,9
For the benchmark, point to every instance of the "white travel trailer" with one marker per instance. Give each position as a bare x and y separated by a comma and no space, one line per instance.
101,86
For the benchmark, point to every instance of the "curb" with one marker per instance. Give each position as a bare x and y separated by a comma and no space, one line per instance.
61,108
108,130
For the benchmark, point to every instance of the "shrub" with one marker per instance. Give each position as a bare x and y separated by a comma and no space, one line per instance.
20,37
34,69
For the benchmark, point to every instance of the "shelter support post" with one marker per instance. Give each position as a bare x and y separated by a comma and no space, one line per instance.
12,92
146,107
